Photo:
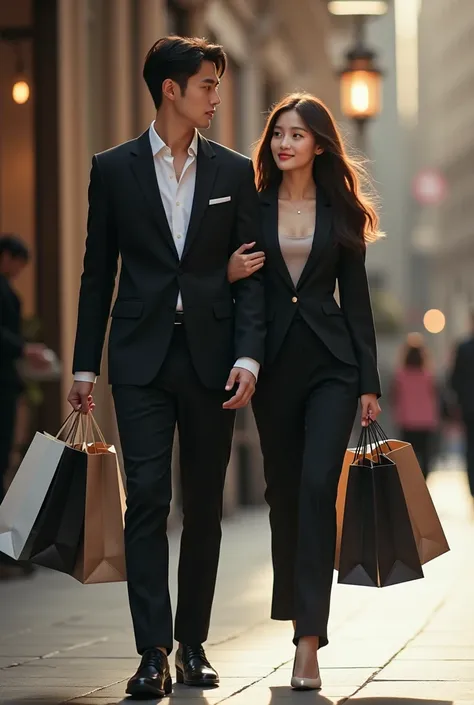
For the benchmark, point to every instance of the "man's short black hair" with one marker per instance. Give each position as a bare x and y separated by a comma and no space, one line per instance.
179,58
14,246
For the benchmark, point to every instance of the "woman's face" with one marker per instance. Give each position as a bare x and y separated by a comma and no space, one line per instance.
293,145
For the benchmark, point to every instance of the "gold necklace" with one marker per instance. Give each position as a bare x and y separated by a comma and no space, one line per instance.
296,210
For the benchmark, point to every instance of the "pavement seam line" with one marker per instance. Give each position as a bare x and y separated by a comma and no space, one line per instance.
250,685
51,654
91,692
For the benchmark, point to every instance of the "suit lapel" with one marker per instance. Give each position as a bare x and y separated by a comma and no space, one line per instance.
206,173
322,232
270,228
143,167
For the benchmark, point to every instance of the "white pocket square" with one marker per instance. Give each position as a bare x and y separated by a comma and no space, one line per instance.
215,201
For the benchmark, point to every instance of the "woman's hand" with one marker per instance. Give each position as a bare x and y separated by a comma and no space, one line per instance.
370,408
241,266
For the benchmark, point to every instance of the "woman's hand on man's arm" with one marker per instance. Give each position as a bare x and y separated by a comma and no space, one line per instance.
243,265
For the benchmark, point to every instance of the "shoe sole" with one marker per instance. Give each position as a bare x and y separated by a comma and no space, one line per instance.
199,684
297,685
147,692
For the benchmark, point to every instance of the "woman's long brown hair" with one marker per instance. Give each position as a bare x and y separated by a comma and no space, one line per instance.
355,219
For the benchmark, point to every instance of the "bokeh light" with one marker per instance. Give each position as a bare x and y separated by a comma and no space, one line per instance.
21,92
434,320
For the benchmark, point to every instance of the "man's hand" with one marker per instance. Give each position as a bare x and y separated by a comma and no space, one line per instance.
370,408
36,354
246,388
80,397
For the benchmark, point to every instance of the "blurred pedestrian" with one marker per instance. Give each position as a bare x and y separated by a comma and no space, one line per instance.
185,347
14,257
462,383
416,401
320,358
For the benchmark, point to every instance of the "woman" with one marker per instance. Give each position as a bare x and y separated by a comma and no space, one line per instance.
320,359
416,400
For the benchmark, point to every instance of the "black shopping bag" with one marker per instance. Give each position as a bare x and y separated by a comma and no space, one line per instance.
55,538
56,535
378,547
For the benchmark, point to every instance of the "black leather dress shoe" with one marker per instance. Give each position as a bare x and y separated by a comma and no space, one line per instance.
193,668
153,678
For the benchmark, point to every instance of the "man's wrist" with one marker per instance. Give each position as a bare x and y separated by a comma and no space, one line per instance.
248,363
85,377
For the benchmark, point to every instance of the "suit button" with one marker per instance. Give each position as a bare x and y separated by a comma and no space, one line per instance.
294,299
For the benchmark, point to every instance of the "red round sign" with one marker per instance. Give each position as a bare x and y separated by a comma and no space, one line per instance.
429,187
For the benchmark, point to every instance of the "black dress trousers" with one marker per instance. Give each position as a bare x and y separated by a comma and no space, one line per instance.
147,417
305,405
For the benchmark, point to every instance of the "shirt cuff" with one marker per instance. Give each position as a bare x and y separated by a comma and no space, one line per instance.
85,377
247,363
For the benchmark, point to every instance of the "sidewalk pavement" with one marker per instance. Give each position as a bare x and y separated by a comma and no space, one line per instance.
64,642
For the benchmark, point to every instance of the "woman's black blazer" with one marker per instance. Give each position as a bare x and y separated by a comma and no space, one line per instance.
348,330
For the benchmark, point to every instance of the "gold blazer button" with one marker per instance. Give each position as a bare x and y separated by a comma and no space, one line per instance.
294,299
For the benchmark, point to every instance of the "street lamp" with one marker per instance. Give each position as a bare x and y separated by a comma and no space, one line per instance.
360,78
15,35
361,88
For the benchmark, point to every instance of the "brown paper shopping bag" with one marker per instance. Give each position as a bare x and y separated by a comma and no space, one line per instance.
429,535
101,556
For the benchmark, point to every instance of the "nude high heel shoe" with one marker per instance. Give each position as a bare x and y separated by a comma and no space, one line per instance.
305,683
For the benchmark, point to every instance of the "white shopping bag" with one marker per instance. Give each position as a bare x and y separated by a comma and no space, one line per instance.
26,494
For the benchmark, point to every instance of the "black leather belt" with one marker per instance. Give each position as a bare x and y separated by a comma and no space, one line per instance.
178,318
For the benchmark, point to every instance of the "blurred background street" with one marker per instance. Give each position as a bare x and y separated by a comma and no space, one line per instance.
397,75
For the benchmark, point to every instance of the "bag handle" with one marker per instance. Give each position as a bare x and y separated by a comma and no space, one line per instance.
361,448
371,438
374,442
66,421
93,426
380,434
73,421
73,432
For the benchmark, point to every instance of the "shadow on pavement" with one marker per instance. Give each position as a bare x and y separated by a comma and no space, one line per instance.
281,695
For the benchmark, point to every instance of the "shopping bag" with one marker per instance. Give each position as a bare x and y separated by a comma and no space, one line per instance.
429,535
349,459
377,545
56,534
29,489
101,556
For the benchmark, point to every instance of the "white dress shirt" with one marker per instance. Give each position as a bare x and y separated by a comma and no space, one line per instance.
177,197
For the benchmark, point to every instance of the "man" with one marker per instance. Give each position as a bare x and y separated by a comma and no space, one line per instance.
14,257
174,206
462,383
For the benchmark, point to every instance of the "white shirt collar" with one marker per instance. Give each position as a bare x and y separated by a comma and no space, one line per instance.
157,144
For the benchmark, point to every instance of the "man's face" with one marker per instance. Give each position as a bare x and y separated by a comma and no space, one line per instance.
198,104
10,266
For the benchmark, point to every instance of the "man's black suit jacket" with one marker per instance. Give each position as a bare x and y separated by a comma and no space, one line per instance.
11,341
126,217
